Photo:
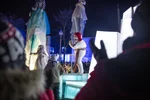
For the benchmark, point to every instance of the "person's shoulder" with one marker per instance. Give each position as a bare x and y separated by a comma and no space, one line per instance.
82,41
121,63
59,64
116,60
103,64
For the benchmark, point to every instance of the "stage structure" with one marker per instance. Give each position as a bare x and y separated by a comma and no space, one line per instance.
37,28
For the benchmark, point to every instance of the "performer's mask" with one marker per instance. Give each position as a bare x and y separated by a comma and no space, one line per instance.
75,38
41,47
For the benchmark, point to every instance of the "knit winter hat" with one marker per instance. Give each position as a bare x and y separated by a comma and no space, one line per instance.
11,47
141,20
79,35
54,57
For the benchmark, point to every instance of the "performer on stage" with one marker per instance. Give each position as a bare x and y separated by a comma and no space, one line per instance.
80,51
37,28
78,18
42,58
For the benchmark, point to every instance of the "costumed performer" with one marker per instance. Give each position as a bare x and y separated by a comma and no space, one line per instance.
41,60
80,51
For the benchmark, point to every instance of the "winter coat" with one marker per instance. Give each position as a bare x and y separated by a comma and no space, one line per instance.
123,78
55,69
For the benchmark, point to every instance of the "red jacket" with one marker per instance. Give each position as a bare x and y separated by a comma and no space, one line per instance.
48,95
123,78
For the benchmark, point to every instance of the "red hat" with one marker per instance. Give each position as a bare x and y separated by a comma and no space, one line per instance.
79,35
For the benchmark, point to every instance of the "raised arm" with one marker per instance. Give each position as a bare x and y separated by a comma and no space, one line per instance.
75,46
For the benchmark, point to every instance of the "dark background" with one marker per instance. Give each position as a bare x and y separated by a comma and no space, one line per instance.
102,14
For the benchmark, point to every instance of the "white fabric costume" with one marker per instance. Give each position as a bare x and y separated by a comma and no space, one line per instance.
36,33
80,50
78,18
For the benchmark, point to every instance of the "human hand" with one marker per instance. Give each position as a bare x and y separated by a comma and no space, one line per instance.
99,54
70,43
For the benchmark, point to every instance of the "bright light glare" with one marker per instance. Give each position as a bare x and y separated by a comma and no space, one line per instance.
126,30
110,41
32,62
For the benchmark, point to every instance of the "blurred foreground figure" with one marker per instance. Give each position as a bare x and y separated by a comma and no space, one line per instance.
16,81
125,77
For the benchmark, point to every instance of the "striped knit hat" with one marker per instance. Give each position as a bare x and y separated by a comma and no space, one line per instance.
11,47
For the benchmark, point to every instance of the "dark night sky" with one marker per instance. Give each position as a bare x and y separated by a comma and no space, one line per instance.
102,14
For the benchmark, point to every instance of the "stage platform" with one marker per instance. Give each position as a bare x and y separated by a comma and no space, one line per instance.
70,84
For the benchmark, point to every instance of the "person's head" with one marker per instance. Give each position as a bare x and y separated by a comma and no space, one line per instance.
77,37
40,47
11,47
141,20
54,57
40,4
52,62
83,2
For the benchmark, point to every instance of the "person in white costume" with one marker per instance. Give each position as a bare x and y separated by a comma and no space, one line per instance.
80,51
42,58
79,18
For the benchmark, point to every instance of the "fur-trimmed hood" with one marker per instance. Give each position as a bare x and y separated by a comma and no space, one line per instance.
21,85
